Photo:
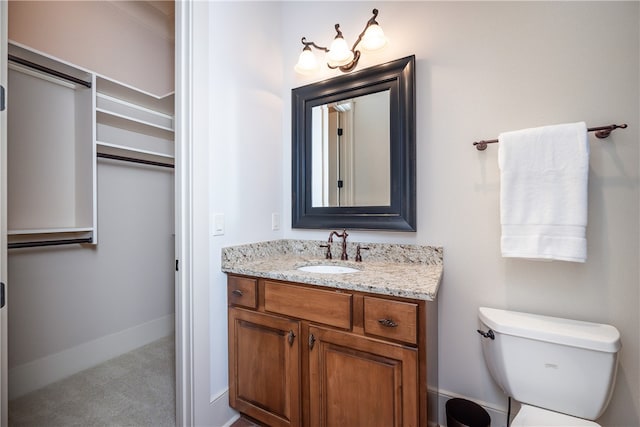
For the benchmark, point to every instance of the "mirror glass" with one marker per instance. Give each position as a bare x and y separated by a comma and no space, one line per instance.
353,150
351,160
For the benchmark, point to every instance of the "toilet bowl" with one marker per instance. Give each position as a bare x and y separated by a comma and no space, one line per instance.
562,371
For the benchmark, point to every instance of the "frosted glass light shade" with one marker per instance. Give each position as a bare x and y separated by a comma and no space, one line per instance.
374,38
339,53
307,62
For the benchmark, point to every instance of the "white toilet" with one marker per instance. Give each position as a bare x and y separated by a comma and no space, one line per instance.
561,371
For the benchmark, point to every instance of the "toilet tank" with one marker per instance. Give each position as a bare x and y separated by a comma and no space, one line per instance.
563,365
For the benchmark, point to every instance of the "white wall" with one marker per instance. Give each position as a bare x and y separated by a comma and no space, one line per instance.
482,68
239,129
102,36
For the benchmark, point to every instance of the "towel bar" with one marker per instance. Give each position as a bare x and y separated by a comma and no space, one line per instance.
601,132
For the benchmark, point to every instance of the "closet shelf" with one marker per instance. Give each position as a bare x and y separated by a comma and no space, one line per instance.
52,172
121,91
43,75
126,110
31,238
121,150
42,243
136,125
80,117
106,145
132,126
48,65
62,230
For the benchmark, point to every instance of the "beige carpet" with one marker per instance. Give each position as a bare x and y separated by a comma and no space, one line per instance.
135,389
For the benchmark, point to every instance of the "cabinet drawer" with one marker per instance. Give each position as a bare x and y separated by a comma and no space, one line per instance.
391,319
242,291
316,305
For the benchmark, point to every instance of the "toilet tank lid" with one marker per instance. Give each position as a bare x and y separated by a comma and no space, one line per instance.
575,333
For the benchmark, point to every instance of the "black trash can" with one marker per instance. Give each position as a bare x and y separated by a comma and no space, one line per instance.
464,413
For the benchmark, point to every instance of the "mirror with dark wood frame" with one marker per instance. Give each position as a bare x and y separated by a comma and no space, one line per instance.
353,160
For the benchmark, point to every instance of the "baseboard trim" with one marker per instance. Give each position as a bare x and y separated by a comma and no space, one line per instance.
226,416
39,373
223,415
231,421
498,415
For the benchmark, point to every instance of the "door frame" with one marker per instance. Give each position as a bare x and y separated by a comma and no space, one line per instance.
184,304
4,377
184,324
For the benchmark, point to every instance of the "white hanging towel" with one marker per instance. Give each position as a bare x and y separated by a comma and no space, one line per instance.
544,176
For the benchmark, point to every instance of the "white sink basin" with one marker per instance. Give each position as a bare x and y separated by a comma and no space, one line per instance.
328,269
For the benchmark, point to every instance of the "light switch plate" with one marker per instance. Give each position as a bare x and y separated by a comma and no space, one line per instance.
275,221
218,224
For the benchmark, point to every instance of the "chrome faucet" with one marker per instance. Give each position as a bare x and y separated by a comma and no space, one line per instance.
344,234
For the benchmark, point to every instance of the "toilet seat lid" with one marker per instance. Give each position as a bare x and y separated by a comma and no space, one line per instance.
530,416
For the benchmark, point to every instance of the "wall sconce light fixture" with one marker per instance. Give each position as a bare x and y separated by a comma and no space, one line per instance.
338,54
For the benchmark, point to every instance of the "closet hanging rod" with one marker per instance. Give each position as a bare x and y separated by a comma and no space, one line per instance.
601,132
20,245
134,160
48,70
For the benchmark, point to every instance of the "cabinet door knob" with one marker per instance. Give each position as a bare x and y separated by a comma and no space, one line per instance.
237,292
388,323
312,341
291,337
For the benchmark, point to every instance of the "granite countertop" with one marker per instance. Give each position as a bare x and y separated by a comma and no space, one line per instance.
411,271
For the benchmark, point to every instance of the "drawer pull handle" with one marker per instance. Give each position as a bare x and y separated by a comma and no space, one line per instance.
291,337
312,341
237,292
388,323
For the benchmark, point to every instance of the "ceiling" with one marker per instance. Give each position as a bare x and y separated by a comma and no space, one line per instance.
155,15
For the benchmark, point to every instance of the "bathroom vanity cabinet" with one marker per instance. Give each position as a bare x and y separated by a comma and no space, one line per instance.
307,355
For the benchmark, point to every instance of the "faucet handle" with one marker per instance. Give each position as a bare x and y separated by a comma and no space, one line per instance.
327,254
358,254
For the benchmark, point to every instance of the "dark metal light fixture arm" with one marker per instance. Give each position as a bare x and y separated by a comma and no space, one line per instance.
370,22
307,44
356,53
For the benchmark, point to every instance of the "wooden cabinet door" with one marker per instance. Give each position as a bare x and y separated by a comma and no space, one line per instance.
264,367
361,382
